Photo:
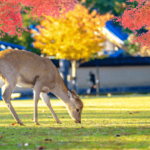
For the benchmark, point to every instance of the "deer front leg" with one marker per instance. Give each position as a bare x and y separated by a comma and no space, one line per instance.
46,100
36,99
6,97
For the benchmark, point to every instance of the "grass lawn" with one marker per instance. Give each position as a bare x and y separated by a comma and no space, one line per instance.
107,123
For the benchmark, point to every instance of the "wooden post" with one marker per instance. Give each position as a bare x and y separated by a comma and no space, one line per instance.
73,72
0,93
97,81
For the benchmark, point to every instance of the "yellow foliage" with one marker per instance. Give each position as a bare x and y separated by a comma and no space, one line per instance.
73,37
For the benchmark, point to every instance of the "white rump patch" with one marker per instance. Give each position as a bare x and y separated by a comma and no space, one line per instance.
1,82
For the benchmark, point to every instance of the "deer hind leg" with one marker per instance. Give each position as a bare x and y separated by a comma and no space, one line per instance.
8,89
37,89
46,100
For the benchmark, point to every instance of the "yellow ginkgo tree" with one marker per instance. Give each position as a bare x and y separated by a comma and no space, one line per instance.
75,36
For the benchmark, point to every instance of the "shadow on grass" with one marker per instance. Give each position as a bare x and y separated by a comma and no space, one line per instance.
69,138
95,114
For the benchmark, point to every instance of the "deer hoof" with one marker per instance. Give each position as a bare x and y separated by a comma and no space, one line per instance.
58,122
36,123
21,123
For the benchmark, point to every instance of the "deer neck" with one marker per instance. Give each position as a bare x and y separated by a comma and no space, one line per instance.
61,91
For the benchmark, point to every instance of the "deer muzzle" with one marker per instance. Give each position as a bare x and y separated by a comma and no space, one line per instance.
77,121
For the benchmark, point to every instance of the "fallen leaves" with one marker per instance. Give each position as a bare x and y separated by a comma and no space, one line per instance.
40,148
47,139
136,112
133,112
126,133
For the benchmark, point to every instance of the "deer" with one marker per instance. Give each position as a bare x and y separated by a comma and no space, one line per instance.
26,69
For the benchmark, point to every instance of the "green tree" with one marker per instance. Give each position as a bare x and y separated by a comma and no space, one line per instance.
116,7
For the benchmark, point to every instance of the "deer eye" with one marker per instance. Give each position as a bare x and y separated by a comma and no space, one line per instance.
77,110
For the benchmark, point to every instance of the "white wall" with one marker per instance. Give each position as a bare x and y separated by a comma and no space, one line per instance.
116,76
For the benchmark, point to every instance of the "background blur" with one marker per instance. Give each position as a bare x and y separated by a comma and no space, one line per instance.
116,67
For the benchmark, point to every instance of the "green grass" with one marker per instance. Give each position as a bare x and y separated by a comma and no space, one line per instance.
107,123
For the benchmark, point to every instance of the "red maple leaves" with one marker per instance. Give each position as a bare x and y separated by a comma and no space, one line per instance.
10,12
135,18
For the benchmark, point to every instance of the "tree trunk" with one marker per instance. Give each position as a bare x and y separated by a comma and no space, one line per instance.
73,75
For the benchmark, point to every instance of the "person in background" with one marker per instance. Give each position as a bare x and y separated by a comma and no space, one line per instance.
91,80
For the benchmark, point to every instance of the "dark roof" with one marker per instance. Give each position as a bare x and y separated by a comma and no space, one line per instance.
6,44
119,61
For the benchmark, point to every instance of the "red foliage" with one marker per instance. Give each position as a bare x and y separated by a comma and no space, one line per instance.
136,18
13,124
10,11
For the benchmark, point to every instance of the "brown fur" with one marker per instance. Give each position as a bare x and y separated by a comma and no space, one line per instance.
26,69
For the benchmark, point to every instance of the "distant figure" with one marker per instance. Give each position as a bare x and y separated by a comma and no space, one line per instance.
91,79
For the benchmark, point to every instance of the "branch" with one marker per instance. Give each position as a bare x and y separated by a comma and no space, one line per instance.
91,5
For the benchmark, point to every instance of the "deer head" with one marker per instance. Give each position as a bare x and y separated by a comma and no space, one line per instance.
74,106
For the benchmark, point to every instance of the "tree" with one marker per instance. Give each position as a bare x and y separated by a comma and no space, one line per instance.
137,18
76,36
11,17
116,7
25,39
135,48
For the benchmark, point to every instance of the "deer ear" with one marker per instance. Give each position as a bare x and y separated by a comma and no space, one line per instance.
73,91
70,96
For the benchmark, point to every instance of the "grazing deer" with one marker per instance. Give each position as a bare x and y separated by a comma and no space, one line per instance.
26,69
